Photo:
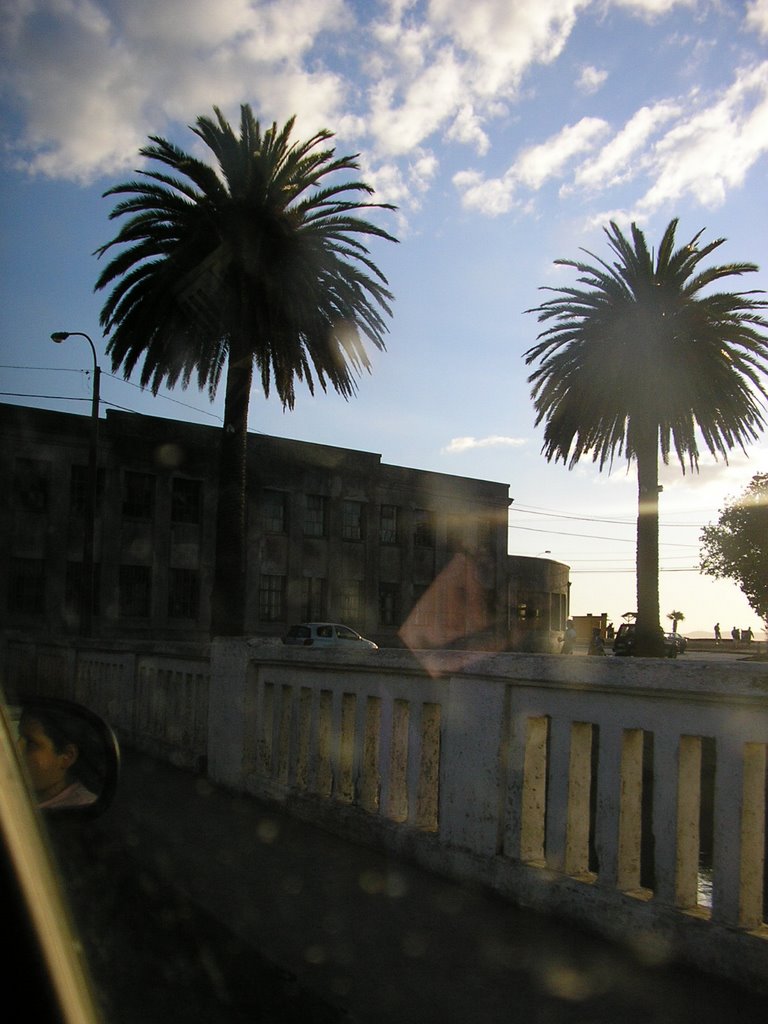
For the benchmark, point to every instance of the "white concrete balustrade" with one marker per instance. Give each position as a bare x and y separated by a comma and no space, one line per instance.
575,786
584,787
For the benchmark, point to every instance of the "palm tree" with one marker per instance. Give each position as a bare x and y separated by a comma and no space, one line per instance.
259,261
675,618
635,360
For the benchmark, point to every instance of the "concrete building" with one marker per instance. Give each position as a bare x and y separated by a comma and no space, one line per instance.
402,555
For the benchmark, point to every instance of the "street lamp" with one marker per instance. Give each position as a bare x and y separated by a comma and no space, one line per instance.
89,533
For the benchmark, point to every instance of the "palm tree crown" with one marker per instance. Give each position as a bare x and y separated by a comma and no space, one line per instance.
636,360
259,262
264,245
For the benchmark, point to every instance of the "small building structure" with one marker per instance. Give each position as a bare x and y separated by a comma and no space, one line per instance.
406,557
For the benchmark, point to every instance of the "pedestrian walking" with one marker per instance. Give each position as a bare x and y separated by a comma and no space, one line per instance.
569,640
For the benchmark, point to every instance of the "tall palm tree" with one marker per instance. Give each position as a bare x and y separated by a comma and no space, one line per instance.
259,261
675,618
637,360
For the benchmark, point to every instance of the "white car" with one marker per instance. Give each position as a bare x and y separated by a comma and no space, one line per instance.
326,634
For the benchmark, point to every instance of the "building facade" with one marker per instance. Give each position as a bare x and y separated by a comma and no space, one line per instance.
404,556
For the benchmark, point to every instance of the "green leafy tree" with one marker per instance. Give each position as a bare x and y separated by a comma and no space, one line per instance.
259,261
736,547
638,361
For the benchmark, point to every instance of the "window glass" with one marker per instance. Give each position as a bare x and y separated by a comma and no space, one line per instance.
273,511
73,583
313,602
388,524
352,520
343,633
32,484
424,527
389,594
186,500
351,600
138,495
79,487
183,593
314,515
26,586
135,586
271,598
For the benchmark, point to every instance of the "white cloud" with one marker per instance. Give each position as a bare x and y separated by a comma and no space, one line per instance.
653,8
757,16
712,150
617,161
502,40
591,79
467,128
532,169
93,79
459,445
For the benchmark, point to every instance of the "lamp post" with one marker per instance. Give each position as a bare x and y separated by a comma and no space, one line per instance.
89,531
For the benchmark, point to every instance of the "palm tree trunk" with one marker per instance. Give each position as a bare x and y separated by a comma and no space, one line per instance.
649,641
229,593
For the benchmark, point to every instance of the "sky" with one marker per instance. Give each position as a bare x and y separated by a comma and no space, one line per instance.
508,135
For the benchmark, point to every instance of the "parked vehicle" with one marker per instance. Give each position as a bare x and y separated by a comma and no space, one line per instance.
624,641
326,634
680,642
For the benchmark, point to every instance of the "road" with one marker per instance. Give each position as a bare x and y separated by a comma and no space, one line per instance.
197,905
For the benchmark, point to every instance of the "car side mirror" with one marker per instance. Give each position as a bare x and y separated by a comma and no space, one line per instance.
71,756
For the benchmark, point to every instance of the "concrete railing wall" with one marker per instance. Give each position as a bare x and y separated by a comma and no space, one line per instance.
584,787
581,787
155,696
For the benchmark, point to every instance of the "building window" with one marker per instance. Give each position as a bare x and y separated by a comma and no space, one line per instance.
271,598
26,586
388,524
455,538
424,527
135,584
138,495
314,603
352,520
80,486
423,613
32,479
274,511
186,500
486,535
389,604
183,593
314,516
72,585
352,601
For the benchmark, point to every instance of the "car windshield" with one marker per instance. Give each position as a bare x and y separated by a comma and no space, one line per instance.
357,358
344,633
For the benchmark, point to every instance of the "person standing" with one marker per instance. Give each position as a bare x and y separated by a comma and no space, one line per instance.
718,636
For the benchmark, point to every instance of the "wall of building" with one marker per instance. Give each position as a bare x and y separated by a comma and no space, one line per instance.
538,599
405,556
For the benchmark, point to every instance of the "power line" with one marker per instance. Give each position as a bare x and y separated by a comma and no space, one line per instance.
105,373
589,536
628,521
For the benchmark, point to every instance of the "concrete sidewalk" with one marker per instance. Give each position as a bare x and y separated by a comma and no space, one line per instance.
381,940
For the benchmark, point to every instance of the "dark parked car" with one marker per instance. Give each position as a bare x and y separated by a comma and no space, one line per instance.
679,641
624,641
